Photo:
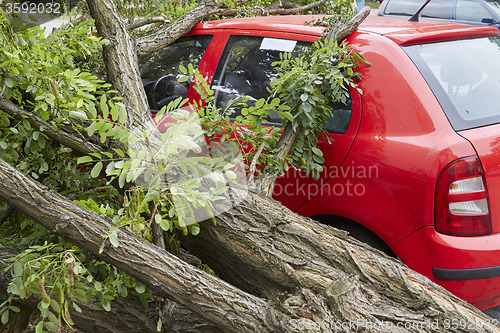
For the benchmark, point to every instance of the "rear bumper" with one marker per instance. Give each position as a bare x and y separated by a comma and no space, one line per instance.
466,274
468,267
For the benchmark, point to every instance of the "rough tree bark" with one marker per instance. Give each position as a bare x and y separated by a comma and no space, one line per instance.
285,270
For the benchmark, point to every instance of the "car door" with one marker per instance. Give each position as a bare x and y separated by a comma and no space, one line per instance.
474,12
245,70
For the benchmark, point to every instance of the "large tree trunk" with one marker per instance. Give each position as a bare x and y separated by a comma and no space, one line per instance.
296,271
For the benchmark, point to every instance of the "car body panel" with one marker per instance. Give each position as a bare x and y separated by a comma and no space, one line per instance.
452,252
400,148
486,141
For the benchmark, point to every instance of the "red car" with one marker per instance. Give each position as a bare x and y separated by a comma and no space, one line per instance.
414,164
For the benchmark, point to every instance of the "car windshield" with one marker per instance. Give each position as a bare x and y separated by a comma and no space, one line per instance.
465,77
494,5
435,9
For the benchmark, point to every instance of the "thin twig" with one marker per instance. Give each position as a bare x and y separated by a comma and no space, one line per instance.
145,21
253,165
150,222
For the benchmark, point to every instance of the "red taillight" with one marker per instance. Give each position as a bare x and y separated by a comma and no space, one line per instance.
461,205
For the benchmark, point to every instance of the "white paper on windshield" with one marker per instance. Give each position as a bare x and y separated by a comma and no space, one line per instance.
275,44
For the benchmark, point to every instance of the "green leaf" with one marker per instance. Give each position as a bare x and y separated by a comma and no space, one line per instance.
122,178
55,305
113,238
96,170
77,308
288,116
18,268
104,107
14,308
53,322
140,288
260,103
119,152
98,286
92,110
9,82
114,112
106,306
317,151
195,229
122,113
159,324
5,317
78,115
39,327
92,128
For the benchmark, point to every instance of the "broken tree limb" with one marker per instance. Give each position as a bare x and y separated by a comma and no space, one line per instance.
120,58
78,143
289,8
341,30
320,275
265,182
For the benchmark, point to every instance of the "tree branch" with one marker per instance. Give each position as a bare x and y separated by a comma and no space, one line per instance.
145,21
80,145
169,33
289,9
120,58
6,213
341,30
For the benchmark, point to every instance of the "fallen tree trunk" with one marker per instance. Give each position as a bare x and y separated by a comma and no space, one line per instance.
305,274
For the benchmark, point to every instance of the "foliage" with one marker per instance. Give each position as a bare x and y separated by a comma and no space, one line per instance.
63,275
309,86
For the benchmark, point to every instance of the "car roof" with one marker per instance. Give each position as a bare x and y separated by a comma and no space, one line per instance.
400,30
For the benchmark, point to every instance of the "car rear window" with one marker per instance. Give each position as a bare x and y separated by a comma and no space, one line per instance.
435,9
465,77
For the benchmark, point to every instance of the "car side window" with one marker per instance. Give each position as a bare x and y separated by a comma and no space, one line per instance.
245,71
469,10
438,9
160,71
